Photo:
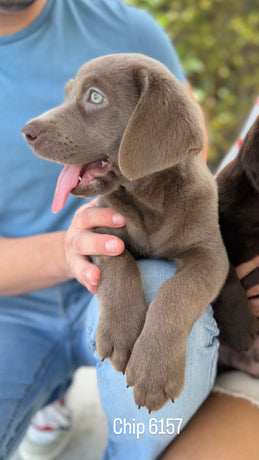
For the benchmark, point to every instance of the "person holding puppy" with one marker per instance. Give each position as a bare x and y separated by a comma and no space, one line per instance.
43,309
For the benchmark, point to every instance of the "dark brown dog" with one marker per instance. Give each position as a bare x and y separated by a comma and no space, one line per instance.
131,133
238,186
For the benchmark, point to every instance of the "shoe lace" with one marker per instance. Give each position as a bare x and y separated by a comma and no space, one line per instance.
54,416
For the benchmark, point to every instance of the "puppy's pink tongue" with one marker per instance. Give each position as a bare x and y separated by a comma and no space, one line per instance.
68,179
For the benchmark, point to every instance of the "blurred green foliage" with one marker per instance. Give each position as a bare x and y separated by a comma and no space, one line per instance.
218,44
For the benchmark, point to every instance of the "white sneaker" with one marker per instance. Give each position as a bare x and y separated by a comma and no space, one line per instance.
48,434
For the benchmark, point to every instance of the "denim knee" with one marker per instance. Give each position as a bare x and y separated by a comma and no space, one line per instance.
153,274
161,427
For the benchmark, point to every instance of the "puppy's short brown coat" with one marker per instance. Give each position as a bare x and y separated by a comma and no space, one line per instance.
150,132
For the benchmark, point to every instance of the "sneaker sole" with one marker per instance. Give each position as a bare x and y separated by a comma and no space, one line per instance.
57,450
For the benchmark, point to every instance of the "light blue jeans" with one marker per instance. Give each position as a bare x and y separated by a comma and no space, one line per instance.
43,343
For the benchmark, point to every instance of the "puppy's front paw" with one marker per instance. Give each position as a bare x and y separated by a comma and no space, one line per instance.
116,335
156,374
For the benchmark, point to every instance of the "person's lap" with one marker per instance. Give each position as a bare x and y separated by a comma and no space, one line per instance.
38,359
118,402
40,348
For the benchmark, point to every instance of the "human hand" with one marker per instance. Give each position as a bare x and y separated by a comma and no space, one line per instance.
243,270
81,241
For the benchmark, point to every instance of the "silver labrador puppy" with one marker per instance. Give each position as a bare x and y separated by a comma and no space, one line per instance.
128,132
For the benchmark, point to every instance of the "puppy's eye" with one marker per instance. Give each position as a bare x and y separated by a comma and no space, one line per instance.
96,98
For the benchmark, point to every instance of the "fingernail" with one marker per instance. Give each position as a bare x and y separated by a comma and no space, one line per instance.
118,219
88,276
112,246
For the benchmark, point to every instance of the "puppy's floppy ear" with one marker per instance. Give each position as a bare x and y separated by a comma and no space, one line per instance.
164,129
249,155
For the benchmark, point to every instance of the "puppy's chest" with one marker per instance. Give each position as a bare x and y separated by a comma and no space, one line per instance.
139,231
147,235
143,235
151,230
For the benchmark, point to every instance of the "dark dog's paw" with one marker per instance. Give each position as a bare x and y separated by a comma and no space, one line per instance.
156,376
117,336
238,326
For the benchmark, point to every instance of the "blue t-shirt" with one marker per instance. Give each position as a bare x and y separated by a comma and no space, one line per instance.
35,65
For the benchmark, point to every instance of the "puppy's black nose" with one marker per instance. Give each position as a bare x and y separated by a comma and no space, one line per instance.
31,131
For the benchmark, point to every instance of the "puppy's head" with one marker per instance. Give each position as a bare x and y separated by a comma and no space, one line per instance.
124,117
249,155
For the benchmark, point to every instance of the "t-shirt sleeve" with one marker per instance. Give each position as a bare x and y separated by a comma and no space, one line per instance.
152,41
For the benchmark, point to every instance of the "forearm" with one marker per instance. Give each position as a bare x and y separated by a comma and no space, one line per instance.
32,263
